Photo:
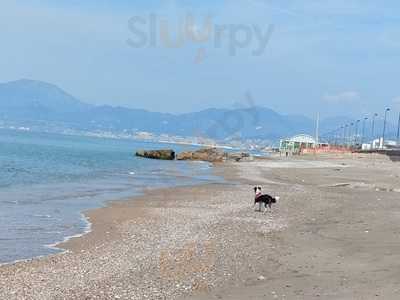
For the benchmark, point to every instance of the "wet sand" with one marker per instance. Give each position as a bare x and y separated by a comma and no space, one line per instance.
333,235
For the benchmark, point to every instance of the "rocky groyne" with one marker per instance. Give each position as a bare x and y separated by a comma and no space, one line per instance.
213,155
157,154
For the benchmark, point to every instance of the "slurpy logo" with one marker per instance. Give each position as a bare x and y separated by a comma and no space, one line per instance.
155,31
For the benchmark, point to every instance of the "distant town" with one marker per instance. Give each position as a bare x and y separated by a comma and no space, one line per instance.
256,145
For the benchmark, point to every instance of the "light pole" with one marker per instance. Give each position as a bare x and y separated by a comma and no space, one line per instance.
356,137
334,137
398,132
384,127
350,135
328,137
338,131
345,134
373,127
363,130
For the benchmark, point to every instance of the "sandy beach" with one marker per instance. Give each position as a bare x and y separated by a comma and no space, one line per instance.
334,234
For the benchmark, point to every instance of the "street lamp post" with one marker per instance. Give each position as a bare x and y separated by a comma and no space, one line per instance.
398,132
363,130
373,127
356,136
334,137
337,134
345,134
350,135
384,127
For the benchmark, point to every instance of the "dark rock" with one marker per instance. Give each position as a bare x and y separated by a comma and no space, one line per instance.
206,154
157,154
241,156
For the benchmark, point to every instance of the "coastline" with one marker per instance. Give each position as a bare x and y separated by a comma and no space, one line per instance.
99,218
94,215
206,241
95,218
88,229
180,180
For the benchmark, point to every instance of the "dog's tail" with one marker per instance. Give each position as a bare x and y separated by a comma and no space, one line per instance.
275,200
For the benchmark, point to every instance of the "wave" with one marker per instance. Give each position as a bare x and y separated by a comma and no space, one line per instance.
88,229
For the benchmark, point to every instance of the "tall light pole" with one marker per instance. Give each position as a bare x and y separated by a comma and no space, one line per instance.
398,132
334,137
356,137
317,132
373,126
363,130
345,134
337,135
384,127
350,135
338,131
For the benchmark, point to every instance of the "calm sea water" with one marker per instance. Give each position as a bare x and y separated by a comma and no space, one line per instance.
48,180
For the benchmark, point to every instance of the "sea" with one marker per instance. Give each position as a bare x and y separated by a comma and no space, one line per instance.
47,182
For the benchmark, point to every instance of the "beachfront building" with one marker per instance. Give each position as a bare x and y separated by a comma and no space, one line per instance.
378,144
299,143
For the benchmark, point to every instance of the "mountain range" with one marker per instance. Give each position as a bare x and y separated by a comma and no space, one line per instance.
28,102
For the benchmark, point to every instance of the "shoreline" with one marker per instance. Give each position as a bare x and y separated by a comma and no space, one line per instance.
204,242
88,229
104,204
54,246
92,216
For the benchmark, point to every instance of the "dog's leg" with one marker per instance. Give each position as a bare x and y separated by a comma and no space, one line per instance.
254,206
260,206
265,208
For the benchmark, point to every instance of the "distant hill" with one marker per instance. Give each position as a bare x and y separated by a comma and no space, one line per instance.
28,94
34,102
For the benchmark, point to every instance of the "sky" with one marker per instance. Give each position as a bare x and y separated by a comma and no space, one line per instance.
335,57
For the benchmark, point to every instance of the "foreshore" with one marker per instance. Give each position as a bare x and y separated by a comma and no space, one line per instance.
333,235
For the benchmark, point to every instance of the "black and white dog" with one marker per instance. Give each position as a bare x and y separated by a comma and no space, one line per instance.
265,199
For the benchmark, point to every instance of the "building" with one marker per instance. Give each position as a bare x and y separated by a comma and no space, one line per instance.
378,144
298,143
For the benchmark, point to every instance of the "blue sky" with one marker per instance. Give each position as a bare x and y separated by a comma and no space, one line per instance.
336,57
